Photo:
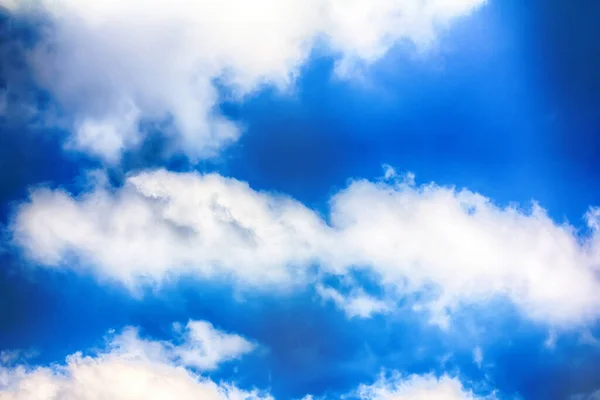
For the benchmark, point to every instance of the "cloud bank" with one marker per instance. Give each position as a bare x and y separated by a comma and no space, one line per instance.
132,368
113,65
436,246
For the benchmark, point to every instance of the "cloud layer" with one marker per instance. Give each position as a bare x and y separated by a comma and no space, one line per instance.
132,368
112,65
436,246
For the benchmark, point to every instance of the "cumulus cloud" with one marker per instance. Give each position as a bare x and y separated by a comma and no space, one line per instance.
438,246
162,222
112,64
129,368
205,348
417,387
200,346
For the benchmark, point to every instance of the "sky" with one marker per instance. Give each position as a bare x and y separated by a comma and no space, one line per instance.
299,199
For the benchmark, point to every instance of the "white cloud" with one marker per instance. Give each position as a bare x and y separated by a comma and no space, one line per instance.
162,223
114,63
416,387
356,304
469,249
130,368
199,345
205,347
450,247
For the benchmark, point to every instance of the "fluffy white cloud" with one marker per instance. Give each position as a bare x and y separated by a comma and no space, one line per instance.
161,223
448,247
113,63
130,368
200,346
205,348
470,249
416,387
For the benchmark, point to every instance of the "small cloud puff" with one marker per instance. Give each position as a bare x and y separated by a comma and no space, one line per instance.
356,303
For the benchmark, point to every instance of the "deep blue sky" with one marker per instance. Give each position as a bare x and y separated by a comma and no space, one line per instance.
510,109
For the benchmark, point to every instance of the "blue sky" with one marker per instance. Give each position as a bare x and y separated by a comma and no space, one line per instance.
257,182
